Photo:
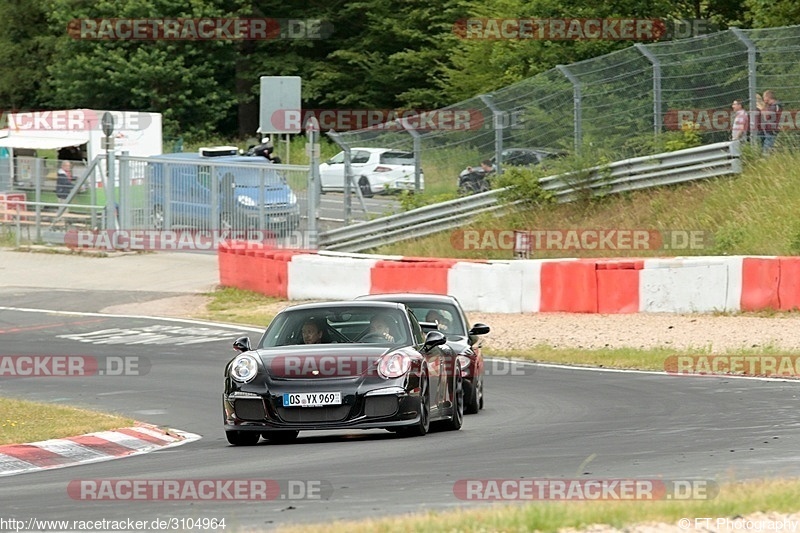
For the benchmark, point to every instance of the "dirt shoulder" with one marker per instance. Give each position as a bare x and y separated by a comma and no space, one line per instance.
590,331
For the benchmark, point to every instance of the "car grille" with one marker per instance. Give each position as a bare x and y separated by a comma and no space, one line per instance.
314,414
250,409
381,405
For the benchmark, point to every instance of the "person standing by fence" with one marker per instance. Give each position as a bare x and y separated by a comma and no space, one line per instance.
768,125
64,181
740,121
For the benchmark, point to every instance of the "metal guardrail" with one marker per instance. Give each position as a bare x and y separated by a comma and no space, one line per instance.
667,168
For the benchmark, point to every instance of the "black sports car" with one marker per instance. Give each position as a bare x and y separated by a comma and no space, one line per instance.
442,312
341,365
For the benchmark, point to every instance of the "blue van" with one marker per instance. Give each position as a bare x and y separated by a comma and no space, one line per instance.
249,194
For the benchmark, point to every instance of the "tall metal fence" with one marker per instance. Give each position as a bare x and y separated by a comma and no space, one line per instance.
623,102
241,197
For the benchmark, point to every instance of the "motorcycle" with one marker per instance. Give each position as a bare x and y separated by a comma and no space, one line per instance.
473,180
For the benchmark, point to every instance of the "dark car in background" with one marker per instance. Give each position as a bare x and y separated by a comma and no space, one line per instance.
444,313
401,380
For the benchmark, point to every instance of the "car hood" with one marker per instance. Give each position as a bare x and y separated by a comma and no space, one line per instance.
273,193
322,360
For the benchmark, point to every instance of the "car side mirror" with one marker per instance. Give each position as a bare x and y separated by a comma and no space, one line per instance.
479,329
242,344
433,338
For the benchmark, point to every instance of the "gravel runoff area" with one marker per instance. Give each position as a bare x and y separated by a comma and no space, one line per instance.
523,330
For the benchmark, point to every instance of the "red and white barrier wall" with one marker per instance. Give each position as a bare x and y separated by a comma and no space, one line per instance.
663,285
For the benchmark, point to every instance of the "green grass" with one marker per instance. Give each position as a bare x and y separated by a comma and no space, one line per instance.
734,499
238,306
17,425
755,213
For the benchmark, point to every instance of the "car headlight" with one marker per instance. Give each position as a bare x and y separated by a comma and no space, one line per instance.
463,362
246,200
394,365
244,368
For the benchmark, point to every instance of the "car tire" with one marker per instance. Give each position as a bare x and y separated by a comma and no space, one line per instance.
158,217
482,393
366,189
280,437
475,398
457,419
422,427
467,188
242,438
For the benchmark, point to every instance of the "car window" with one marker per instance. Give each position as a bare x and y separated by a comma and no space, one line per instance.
338,159
416,329
340,324
446,315
397,158
360,157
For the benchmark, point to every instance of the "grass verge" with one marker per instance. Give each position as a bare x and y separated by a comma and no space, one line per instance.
52,421
734,499
238,306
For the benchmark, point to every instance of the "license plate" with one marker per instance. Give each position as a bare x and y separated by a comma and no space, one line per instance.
312,399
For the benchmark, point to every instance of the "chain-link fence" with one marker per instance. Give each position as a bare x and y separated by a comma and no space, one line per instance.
623,104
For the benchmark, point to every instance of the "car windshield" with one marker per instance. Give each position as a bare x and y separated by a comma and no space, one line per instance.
253,177
338,325
446,315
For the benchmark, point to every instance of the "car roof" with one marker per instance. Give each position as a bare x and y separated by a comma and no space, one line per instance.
415,297
194,156
345,303
381,150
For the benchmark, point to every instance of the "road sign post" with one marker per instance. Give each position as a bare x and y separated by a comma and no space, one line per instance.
107,123
314,185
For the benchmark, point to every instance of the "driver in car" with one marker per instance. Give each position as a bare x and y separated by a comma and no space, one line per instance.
435,316
380,326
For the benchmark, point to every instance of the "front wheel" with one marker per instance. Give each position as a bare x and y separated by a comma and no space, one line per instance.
457,419
475,402
420,428
242,438
366,189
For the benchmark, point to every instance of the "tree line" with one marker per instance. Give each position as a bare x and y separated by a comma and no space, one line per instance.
361,54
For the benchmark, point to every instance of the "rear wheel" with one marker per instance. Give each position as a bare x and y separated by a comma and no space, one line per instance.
280,437
366,189
242,438
420,428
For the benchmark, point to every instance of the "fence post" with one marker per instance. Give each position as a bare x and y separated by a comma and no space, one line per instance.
751,82
348,203
415,136
124,192
498,123
657,120
312,138
577,101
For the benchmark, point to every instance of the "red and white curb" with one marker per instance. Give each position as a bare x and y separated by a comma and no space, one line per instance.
89,448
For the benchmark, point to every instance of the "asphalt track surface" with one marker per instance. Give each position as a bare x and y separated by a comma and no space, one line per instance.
541,422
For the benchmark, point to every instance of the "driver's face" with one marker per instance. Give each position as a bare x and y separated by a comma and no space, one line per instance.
311,334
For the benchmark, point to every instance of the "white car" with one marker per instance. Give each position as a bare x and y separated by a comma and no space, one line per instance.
375,170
